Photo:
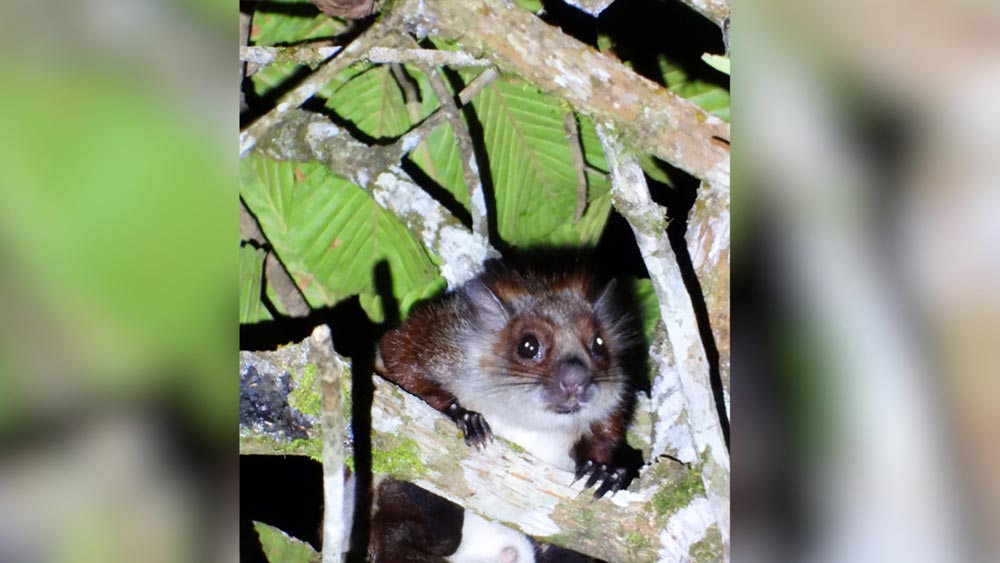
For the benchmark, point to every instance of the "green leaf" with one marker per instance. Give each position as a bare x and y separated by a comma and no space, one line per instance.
651,166
373,102
330,234
273,28
252,308
418,294
273,76
648,305
437,154
279,547
588,230
533,6
718,62
593,152
373,305
708,96
277,74
530,162
712,99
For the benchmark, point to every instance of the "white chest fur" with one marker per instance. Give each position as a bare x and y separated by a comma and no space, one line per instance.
551,446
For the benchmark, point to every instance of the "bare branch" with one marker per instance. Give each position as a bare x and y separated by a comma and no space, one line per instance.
291,298
708,245
288,293
433,57
411,97
579,163
314,54
245,19
297,96
305,136
655,119
249,228
470,167
592,7
715,10
329,375
630,196
299,54
502,483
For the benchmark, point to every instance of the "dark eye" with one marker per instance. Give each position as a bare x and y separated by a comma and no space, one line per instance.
597,347
528,347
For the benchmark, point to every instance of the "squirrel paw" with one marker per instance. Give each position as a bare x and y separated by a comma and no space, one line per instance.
472,424
611,478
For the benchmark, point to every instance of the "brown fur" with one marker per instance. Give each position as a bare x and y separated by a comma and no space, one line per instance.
467,342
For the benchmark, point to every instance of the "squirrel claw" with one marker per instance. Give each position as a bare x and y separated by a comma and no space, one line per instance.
474,428
610,478
583,469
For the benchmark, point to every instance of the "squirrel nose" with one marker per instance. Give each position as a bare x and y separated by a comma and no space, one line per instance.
573,378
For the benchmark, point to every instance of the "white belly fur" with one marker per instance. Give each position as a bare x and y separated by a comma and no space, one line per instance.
551,446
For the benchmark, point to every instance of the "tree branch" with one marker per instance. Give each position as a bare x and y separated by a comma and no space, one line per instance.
470,168
433,57
328,376
630,196
656,120
291,298
579,163
708,245
378,32
263,55
412,441
306,136
715,10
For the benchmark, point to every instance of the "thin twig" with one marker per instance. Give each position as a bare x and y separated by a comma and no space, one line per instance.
575,149
470,167
245,21
434,57
249,228
310,136
411,97
352,53
310,54
263,55
477,85
410,140
329,373
288,293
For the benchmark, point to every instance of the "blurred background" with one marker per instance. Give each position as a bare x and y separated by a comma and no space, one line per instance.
866,249
118,270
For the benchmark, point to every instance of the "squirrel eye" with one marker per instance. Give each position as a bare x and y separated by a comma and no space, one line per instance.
528,347
597,347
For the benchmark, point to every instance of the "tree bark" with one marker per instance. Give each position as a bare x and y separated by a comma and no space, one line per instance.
412,441
649,116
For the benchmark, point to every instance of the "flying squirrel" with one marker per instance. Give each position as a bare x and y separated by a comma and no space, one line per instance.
537,358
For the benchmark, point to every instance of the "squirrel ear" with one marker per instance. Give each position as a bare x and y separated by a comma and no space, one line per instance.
487,308
606,298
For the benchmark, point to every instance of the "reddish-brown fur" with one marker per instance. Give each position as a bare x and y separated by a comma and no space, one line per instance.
475,333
